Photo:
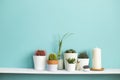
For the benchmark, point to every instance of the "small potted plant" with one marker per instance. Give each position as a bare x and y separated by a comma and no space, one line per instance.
71,64
52,62
83,59
86,68
39,60
70,53
59,55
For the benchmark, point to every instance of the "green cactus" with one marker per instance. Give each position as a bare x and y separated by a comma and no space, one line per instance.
70,51
71,60
52,56
83,55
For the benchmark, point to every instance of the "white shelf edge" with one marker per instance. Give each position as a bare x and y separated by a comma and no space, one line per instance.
33,71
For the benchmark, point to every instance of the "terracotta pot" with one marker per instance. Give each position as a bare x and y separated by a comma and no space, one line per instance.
60,64
52,61
52,65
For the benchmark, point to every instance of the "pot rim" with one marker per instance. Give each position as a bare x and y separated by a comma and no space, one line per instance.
52,61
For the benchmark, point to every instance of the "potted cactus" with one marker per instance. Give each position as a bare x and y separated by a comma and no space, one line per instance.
70,53
52,62
39,60
83,59
71,64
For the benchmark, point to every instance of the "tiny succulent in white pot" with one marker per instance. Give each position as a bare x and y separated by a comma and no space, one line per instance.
71,64
70,53
86,68
83,59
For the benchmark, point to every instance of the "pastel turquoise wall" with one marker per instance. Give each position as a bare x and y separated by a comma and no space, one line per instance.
28,25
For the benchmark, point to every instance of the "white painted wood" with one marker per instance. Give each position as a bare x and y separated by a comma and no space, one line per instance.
33,71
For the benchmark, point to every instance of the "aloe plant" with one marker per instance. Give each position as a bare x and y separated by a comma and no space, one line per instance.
71,60
66,35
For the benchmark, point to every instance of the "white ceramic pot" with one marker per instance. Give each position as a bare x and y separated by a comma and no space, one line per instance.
39,62
52,67
83,62
69,55
86,70
60,64
71,67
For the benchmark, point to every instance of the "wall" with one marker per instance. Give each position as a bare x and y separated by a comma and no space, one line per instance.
28,25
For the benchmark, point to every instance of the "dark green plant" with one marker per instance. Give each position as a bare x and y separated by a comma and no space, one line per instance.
71,60
70,51
52,56
86,66
66,35
83,55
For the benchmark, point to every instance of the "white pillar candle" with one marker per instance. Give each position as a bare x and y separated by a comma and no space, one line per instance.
96,59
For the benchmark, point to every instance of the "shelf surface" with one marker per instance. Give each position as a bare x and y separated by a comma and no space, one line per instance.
33,71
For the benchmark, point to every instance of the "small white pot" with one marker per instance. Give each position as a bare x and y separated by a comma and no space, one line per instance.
60,64
86,70
83,62
69,55
71,67
52,67
39,62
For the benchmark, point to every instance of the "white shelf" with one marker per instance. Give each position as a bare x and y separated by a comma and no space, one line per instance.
32,71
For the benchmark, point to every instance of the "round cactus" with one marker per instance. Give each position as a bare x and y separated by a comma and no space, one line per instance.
52,56
70,51
40,53
83,55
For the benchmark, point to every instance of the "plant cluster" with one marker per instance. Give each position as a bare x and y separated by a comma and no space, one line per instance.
40,53
52,56
83,55
71,60
70,51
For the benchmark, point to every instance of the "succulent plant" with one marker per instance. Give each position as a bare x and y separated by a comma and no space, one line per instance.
83,55
40,53
70,51
71,60
52,56
85,66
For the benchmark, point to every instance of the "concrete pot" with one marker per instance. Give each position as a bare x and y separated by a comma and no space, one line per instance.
60,64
